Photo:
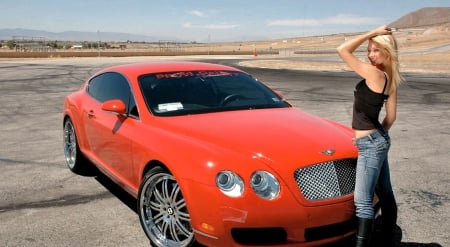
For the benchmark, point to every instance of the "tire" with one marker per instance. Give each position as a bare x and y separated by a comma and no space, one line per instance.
162,210
75,160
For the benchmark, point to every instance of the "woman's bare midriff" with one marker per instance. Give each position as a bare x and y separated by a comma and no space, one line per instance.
361,133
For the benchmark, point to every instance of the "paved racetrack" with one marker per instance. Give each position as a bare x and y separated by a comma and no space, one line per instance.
43,204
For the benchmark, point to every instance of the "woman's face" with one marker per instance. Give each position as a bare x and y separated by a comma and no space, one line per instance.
376,54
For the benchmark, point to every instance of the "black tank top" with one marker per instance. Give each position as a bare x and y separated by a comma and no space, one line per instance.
367,106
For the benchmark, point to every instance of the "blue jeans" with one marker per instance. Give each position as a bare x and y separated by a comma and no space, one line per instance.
372,171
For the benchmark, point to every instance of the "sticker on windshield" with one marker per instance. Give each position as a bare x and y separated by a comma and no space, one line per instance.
170,107
276,99
195,73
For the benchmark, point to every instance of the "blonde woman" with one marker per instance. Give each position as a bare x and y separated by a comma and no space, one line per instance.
378,87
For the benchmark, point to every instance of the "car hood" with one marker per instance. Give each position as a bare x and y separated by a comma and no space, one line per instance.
285,137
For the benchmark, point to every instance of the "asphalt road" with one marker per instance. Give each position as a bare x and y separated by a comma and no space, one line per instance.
43,204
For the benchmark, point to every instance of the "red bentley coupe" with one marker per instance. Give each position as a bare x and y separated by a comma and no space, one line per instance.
213,156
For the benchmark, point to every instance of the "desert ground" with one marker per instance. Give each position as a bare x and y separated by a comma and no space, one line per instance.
422,50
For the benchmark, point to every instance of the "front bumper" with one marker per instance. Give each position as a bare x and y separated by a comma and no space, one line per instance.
252,221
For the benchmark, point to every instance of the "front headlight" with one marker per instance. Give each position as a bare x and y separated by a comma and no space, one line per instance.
230,183
265,185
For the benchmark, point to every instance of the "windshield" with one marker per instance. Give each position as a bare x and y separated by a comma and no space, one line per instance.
195,92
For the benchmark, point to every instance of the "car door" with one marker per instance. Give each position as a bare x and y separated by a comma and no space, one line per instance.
110,135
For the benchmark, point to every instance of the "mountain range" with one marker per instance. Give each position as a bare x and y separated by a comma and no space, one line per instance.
20,33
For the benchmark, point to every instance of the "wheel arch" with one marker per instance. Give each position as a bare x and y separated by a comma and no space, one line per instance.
79,130
151,164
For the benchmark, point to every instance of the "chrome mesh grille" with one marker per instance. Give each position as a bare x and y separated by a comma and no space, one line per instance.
327,180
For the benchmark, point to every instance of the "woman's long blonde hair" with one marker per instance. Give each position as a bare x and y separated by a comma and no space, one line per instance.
389,44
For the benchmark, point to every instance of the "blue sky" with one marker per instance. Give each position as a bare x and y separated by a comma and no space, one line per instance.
213,20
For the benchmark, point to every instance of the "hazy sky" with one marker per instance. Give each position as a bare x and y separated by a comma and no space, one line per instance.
213,20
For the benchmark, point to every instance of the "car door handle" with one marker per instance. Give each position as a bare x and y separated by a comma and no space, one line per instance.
91,114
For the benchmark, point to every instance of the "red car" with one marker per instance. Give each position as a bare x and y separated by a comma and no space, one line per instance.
213,156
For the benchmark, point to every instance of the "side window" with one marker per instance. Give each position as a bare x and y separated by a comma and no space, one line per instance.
110,86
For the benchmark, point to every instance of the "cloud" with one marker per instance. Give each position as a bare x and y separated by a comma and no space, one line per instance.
342,19
197,13
351,20
295,23
210,26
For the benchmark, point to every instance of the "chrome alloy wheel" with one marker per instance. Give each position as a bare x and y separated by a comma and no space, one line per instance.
162,210
70,145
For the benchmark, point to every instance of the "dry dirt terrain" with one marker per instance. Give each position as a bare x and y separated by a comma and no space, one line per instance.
424,50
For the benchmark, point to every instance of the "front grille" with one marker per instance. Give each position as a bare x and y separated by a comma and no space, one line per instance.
327,180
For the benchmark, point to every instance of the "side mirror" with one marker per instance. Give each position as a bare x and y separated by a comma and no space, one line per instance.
114,106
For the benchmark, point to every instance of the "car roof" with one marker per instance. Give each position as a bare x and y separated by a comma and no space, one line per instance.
138,69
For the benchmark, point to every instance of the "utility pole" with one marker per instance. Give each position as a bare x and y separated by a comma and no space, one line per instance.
209,44
99,41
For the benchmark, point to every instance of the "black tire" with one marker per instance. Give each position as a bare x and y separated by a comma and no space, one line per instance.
162,210
75,160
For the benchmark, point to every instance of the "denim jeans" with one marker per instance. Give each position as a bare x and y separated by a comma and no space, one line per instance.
372,171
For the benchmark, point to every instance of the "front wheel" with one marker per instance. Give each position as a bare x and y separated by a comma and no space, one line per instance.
162,210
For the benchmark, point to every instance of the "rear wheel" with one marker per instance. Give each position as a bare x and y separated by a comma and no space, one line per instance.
75,160
162,210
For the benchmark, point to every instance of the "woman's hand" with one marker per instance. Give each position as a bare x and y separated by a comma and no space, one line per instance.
382,30
364,69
